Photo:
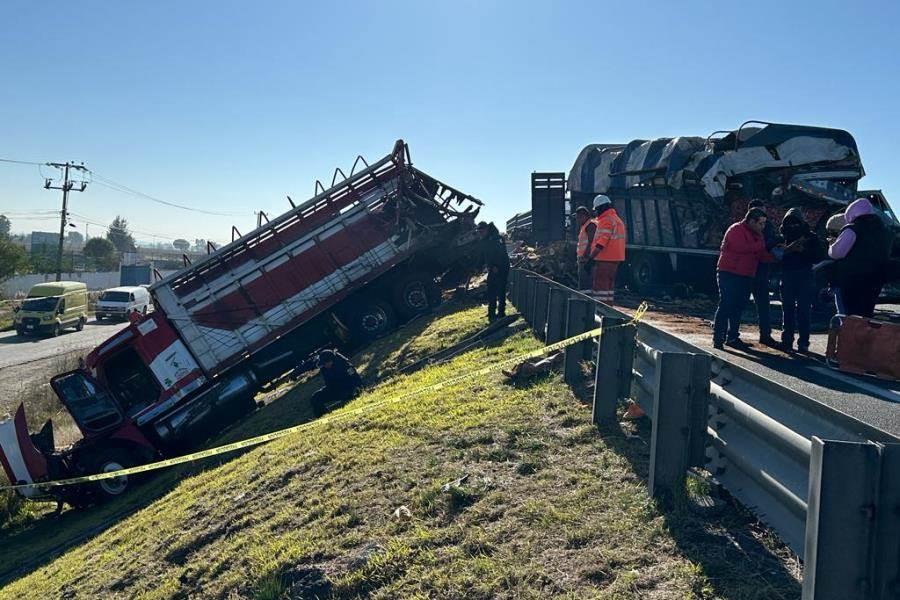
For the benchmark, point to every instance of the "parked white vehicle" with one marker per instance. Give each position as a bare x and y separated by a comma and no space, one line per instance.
118,302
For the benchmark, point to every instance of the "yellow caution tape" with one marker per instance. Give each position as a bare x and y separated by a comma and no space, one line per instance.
268,437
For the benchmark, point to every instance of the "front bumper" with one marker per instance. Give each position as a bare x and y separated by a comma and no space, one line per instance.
36,328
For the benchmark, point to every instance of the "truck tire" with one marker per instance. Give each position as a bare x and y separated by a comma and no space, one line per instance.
80,325
372,320
57,329
647,272
414,294
104,461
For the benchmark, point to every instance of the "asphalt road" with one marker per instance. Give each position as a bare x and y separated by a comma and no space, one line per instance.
871,400
15,350
27,364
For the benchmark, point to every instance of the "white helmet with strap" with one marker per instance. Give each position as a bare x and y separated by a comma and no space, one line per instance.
601,200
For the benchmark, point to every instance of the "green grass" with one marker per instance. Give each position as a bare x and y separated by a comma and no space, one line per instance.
542,505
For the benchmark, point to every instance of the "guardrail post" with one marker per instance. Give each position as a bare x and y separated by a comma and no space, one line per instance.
612,377
839,554
679,419
887,548
520,292
541,297
511,287
528,298
701,364
579,318
556,314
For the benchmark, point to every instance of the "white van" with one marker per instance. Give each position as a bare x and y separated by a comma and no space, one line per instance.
118,302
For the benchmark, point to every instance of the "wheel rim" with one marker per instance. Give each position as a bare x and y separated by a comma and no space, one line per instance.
374,320
116,485
415,297
643,273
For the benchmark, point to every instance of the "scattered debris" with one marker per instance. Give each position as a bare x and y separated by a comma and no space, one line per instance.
528,369
402,514
455,483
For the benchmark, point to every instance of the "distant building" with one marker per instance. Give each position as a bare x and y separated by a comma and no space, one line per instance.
43,241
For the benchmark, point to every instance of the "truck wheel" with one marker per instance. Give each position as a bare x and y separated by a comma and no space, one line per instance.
112,459
647,272
373,319
80,325
414,294
56,330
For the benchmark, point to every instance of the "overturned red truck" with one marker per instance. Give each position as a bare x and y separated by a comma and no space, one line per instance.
355,259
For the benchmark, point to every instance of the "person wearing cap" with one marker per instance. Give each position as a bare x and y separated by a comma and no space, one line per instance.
495,258
342,382
607,249
586,229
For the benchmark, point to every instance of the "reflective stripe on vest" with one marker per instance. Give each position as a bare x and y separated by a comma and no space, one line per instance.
583,241
611,232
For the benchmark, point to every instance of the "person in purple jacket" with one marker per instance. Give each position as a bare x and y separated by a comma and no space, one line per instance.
862,255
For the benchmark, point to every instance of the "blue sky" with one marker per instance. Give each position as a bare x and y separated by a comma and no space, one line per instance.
230,106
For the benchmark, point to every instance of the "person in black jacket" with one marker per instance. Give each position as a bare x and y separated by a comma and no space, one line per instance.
496,259
760,288
802,250
862,258
342,382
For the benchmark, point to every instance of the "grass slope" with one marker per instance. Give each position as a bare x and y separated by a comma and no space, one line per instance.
543,505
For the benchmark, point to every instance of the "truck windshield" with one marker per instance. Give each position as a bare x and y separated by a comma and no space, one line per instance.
40,304
90,406
114,296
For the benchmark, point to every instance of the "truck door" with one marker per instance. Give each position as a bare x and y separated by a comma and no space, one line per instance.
89,404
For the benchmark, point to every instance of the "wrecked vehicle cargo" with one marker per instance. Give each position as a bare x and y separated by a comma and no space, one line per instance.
677,196
356,259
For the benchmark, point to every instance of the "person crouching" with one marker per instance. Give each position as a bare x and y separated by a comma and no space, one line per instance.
342,382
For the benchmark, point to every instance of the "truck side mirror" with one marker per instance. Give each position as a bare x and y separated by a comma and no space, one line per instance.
60,310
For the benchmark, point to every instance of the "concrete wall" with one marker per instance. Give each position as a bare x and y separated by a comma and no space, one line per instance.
19,285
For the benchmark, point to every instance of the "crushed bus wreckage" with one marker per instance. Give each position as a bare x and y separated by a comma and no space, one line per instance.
678,195
352,262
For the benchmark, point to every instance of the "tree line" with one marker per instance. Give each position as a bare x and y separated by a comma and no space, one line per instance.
100,253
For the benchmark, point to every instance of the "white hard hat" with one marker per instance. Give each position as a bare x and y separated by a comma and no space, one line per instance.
600,200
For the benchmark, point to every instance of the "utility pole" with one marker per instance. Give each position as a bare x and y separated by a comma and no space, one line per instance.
66,187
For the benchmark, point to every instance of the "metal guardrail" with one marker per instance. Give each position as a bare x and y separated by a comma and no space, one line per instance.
827,483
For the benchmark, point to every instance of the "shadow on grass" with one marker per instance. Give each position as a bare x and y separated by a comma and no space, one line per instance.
37,543
740,558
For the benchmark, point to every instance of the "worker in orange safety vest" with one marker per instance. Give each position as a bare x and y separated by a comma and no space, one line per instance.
586,229
607,249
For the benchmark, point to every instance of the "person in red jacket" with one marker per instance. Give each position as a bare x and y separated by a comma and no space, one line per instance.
743,248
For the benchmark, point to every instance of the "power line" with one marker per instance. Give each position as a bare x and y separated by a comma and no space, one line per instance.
124,189
109,183
96,222
21,162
